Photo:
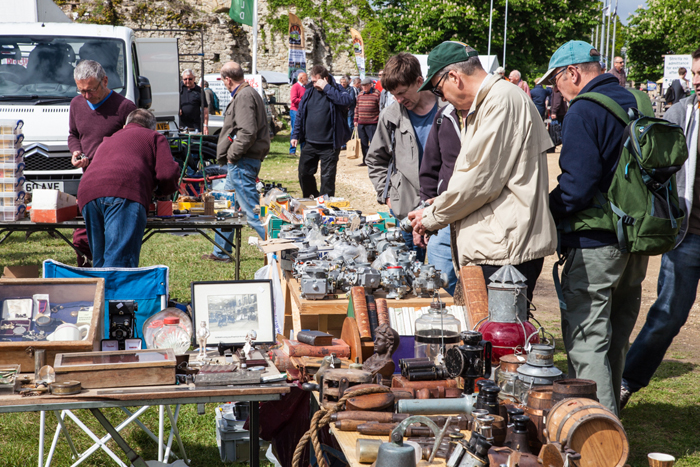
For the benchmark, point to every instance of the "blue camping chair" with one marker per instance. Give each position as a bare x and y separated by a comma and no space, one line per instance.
147,286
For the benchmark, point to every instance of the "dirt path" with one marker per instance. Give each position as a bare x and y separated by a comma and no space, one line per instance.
353,184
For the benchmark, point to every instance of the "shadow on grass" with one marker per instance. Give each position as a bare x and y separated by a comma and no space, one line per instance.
665,416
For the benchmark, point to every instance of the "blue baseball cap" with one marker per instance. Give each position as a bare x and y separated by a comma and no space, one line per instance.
571,53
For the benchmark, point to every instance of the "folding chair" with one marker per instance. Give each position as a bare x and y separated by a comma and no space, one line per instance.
149,287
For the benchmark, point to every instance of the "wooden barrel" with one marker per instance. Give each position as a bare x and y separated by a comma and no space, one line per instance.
573,388
590,429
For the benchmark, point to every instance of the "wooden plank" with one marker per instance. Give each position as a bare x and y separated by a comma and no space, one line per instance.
339,306
127,359
323,323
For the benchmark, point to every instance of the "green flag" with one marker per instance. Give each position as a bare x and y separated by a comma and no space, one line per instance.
242,11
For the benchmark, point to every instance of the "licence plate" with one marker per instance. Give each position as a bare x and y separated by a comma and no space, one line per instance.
162,126
30,186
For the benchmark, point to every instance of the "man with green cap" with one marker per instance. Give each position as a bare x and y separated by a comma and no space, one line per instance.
601,286
496,199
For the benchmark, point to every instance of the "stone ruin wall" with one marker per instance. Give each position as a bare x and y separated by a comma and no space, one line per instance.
224,39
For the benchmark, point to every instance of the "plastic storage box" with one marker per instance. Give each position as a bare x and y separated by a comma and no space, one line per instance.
233,444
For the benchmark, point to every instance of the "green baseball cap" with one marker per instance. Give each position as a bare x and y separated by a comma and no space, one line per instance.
447,53
571,53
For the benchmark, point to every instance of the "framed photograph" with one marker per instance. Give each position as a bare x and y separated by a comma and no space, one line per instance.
233,308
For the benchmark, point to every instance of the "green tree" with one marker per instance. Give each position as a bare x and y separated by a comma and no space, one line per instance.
664,27
536,28
376,39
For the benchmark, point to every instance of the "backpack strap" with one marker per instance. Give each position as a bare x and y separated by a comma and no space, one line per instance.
643,103
607,103
392,162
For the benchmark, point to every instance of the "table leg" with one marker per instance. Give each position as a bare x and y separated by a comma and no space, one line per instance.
135,459
238,232
42,427
254,430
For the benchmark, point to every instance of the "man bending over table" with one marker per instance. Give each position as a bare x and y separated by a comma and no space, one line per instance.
115,193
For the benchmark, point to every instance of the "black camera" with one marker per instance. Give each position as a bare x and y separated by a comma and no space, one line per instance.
122,320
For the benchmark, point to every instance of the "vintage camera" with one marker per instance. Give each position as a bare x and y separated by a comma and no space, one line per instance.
122,320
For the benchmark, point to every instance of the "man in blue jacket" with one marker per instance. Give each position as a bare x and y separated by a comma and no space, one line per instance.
601,286
322,125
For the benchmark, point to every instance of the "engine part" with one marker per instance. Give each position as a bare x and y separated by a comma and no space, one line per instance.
314,282
394,282
428,280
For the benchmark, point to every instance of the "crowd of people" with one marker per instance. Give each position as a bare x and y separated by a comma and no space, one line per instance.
463,154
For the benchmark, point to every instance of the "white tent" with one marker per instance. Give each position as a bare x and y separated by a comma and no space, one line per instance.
31,11
489,62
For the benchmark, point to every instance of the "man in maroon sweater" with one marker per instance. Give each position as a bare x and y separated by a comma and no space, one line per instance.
97,112
367,115
115,193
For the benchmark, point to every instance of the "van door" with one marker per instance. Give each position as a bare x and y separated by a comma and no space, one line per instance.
157,60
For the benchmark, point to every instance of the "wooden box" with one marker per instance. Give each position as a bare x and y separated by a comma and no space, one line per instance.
15,350
123,368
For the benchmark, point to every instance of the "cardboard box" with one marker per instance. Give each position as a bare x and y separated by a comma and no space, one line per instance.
53,206
21,272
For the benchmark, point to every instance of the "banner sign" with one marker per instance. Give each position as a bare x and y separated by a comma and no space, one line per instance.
297,47
359,48
242,11
671,65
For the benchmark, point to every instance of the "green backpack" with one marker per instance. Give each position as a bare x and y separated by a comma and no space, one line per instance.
641,207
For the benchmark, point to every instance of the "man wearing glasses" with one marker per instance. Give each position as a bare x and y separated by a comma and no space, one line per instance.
95,113
244,142
601,286
496,200
191,104
396,150
618,71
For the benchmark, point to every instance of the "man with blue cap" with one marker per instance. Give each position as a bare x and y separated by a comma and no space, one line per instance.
601,286
496,199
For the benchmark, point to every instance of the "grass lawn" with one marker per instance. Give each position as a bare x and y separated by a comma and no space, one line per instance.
664,417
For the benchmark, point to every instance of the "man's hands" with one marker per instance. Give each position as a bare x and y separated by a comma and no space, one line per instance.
420,240
388,202
294,143
416,218
205,131
320,84
80,163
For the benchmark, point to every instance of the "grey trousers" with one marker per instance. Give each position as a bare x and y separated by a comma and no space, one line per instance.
602,289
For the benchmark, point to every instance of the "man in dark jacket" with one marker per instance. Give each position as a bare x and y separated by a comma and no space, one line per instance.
680,268
115,193
439,155
244,142
601,286
322,125
539,95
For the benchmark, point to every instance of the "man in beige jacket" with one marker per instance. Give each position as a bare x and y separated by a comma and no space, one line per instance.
497,198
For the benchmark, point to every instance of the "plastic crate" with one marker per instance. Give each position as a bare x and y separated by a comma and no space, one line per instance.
9,214
11,127
11,156
11,184
234,445
11,141
10,170
12,198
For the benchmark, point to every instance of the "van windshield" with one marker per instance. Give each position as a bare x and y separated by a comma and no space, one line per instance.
40,69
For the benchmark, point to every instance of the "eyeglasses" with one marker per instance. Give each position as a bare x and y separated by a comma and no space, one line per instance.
90,91
435,90
554,78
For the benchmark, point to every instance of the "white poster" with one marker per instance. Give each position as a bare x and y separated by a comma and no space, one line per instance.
671,65
216,85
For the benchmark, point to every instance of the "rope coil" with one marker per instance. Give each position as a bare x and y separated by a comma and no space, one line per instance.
322,418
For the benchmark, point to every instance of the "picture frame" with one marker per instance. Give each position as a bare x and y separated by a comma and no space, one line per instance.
233,308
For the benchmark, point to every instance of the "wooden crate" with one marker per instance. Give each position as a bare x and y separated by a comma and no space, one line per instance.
59,291
122,368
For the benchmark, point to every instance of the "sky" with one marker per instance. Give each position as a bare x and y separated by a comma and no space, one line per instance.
627,7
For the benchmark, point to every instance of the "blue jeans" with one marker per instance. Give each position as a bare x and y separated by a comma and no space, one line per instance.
440,256
676,289
293,117
241,177
115,229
